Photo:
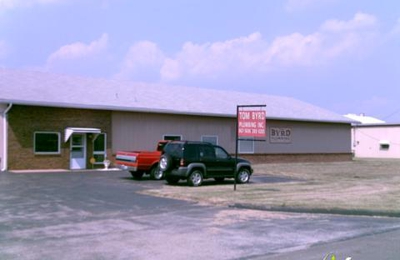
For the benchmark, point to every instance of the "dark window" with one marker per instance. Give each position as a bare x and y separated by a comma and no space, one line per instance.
207,152
99,144
99,148
384,146
173,137
47,143
174,149
221,153
191,152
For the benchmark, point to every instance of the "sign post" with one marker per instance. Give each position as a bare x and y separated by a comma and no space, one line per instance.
250,123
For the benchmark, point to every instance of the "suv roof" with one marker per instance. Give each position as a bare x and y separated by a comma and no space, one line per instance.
175,148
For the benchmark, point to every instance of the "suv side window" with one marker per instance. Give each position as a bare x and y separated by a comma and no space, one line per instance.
220,153
190,152
206,152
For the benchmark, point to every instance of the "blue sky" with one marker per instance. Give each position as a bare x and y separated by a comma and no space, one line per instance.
337,54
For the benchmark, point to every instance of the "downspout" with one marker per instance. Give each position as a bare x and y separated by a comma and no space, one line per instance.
5,138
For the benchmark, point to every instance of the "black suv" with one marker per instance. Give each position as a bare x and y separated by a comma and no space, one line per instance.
195,161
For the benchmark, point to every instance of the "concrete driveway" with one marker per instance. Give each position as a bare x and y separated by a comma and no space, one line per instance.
103,215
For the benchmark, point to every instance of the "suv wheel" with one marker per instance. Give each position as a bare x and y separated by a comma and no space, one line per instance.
243,175
195,178
165,162
156,173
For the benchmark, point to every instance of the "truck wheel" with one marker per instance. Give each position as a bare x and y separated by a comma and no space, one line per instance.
156,173
137,175
195,178
243,175
165,162
171,180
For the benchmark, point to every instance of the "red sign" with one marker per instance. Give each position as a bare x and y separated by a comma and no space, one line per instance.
251,123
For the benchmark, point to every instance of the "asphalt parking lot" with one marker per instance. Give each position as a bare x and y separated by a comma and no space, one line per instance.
105,215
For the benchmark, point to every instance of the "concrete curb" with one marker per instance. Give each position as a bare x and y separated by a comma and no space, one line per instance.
65,170
349,212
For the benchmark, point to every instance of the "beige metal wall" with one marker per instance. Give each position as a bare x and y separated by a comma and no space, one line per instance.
141,131
309,137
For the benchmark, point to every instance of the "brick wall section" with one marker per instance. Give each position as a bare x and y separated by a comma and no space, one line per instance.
294,158
25,120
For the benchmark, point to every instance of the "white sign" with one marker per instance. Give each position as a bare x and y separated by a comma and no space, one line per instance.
280,135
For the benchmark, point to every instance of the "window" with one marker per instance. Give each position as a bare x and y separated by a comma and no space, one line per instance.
172,137
221,153
207,152
246,146
174,149
212,139
384,145
46,143
100,148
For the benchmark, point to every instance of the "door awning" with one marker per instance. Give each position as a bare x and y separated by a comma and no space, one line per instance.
80,130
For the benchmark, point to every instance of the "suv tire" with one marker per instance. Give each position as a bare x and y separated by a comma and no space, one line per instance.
243,175
165,162
195,178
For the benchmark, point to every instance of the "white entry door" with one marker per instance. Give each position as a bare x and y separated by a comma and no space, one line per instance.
78,151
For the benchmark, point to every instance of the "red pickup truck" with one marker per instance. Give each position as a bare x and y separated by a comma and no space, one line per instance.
141,162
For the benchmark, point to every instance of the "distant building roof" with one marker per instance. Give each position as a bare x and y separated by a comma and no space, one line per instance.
363,119
47,89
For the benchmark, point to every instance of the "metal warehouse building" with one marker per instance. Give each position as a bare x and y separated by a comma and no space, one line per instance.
51,121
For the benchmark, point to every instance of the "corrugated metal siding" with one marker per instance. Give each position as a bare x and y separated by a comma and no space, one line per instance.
309,138
141,131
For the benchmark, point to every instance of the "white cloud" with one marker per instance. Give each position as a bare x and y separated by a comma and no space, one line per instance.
9,4
295,49
252,54
213,58
78,50
142,57
354,35
360,21
334,39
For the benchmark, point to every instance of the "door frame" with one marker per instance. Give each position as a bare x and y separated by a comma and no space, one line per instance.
82,163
